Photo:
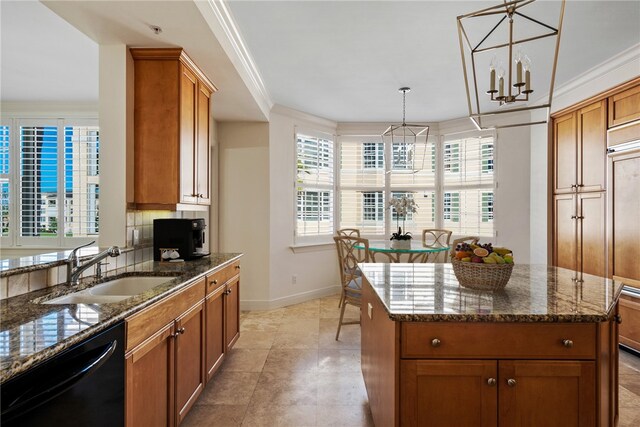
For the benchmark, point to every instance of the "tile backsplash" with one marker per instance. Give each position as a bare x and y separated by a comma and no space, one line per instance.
33,279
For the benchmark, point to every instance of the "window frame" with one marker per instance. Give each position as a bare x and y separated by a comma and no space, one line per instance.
320,238
15,121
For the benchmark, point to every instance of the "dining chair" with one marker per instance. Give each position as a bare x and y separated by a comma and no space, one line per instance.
350,275
435,238
349,232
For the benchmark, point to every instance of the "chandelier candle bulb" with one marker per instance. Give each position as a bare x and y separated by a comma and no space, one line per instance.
527,82
518,72
492,84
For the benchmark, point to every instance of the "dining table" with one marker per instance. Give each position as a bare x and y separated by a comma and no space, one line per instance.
381,251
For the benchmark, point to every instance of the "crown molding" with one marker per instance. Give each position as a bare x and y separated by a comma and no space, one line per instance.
220,20
617,61
41,109
301,115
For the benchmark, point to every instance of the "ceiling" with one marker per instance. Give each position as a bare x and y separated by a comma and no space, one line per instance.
335,59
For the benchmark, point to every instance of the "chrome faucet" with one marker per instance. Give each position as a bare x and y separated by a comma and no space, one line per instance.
74,270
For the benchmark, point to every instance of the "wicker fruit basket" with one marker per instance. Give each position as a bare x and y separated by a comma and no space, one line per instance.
482,277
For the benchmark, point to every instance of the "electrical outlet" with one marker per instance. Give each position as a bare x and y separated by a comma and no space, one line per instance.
136,237
369,309
294,279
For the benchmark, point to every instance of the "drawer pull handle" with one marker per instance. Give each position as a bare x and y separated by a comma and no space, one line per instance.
178,332
435,342
617,318
567,343
491,382
237,267
227,292
215,282
511,382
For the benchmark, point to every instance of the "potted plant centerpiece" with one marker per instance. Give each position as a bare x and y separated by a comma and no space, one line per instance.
402,206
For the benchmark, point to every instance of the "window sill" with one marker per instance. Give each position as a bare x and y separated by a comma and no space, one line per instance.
312,247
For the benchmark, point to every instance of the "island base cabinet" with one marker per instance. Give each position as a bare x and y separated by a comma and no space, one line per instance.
448,393
506,393
546,393
149,381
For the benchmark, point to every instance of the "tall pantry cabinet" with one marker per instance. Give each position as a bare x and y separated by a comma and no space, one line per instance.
579,189
596,194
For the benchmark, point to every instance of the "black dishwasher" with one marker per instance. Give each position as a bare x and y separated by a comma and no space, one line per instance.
82,386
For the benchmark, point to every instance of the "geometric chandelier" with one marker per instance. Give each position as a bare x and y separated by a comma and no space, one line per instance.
407,140
503,40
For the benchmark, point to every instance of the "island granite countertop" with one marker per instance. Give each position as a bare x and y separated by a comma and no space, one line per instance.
31,332
535,293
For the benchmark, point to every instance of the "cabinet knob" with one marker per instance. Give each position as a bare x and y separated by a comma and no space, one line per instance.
491,382
580,217
567,343
237,267
617,318
573,217
215,282
201,195
435,342
511,382
227,292
574,186
178,332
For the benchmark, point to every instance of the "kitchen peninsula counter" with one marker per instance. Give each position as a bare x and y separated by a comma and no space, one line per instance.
435,353
31,332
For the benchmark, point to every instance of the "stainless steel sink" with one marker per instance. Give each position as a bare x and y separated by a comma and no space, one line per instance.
112,291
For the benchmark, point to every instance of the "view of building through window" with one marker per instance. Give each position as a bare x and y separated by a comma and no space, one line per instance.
53,189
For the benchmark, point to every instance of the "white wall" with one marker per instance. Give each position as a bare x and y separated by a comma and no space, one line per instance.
611,73
113,115
243,207
316,269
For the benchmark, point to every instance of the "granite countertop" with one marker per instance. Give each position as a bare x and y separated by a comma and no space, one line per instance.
31,332
534,293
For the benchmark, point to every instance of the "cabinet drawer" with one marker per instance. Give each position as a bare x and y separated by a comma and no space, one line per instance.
222,276
145,323
498,340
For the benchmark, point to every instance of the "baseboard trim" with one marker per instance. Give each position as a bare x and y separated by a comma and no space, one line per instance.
288,300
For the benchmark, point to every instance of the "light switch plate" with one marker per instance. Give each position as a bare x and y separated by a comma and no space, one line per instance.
369,309
136,236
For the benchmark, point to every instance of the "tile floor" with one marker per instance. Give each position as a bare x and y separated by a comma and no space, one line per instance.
287,370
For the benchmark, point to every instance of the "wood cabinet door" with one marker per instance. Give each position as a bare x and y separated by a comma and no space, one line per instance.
624,214
188,97
547,393
149,374
592,147
202,158
232,313
592,231
624,107
189,359
448,393
630,326
564,237
215,344
565,153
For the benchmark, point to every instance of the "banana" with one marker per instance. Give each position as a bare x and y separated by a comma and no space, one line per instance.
502,251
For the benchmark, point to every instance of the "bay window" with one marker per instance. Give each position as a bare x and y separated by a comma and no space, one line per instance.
451,181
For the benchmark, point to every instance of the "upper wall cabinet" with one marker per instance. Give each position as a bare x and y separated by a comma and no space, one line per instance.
580,150
624,107
171,117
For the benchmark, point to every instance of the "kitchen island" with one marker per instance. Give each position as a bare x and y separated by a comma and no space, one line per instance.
542,352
